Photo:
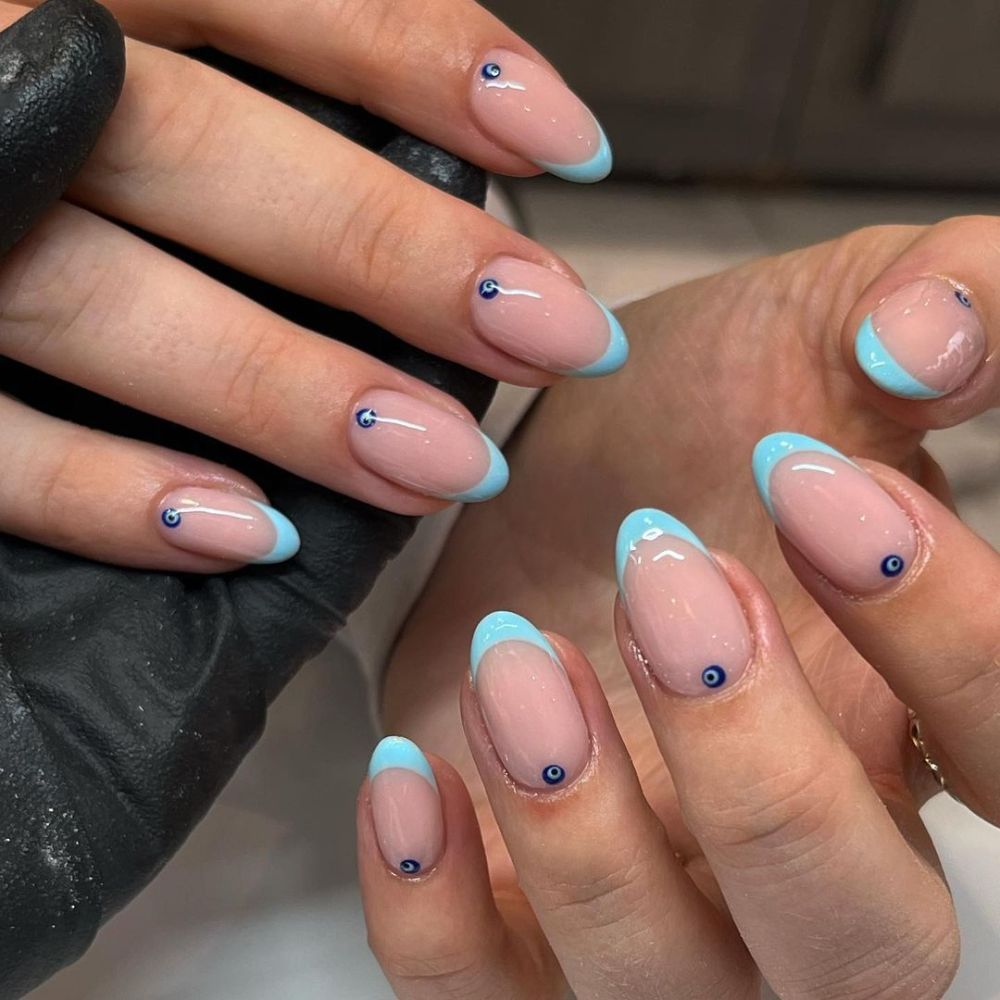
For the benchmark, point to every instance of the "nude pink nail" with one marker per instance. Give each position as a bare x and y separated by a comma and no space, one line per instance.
527,109
923,341
834,513
425,448
685,618
537,315
225,526
529,705
406,807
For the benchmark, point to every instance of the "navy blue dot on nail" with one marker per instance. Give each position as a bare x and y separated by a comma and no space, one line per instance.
553,774
490,71
366,417
488,288
713,676
893,565
171,517
409,866
963,298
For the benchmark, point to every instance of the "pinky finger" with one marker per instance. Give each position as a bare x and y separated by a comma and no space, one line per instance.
130,503
432,921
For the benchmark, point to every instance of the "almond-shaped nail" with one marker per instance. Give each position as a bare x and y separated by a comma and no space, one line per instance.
425,448
923,341
225,526
833,512
537,315
528,110
406,807
529,705
684,616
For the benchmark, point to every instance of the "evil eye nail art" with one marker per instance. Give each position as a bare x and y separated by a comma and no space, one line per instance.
713,677
529,706
366,417
491,71
833,512
171,517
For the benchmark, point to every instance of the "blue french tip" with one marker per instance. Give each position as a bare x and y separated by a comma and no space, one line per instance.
397,751
883,369
615,356
770,450
590,171
502,626
648,524
492,483
287,542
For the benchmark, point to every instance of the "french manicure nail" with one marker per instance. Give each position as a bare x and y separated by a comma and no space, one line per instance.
406,807
529,705
685,618
923,341
527,109
833,512
537,315
425,448
225,526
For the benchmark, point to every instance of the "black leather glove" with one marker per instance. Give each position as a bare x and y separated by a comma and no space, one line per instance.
127,698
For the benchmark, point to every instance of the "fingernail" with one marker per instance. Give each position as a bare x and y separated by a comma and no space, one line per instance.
684,615
833,512
530,111
425,448
923,341
529,705
538,316
226,526
406,807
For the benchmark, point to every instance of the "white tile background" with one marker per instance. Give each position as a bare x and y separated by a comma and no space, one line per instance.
262,900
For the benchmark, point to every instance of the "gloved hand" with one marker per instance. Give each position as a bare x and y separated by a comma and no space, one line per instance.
128,698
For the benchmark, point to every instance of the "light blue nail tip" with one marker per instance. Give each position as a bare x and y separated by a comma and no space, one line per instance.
492,483
615,356
287,541
397,751
648,524
590,171
883,369
770,450
503,626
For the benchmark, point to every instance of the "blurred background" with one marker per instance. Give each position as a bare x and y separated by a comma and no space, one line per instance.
739,129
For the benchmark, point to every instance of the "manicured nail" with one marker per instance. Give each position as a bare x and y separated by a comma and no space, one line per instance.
531,711
530,111
536,315
406,807
685,618
226,526
425,448
923,341
833,512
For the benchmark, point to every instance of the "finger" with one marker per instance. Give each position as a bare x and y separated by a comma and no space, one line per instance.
414,62
923,339
203,160
914,590
432,922
130,503
828,895
92,304
617,907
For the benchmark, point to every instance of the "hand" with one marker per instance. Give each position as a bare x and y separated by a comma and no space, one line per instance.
101,296
719,364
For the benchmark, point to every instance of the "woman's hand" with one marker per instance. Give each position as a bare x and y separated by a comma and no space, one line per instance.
194,156
788,863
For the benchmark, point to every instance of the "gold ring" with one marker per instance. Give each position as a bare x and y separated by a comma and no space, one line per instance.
917,739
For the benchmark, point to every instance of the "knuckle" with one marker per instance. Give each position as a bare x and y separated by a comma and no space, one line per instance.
978,229
55,485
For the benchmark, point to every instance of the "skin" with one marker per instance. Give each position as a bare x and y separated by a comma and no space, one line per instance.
676,429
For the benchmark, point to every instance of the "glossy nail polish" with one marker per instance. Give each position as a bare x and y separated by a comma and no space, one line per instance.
923,341
529,705
421,446
537,315
527,109
225,526
685,618
406,807
834,513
